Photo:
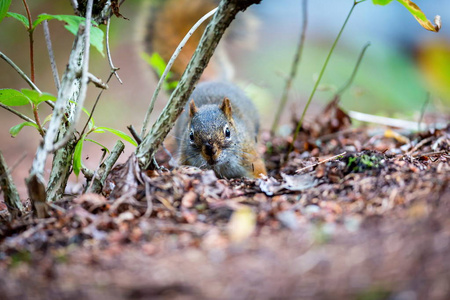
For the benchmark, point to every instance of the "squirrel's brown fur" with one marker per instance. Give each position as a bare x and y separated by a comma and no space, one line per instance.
218,129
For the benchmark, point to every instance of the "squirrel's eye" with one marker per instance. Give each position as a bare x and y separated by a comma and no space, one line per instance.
227,132
191,135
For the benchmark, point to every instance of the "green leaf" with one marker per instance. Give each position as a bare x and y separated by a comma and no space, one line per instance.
37,98
14,131
20,18
72,25
11,97
119,133
95,142
156,62
381,2
171,85
419,15
159,65
4,7
416,12
77,163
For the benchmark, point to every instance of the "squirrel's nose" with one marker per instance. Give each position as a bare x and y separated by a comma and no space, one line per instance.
210,149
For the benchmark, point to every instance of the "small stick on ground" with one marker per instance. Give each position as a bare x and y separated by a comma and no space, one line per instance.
419,145
320,162
431,153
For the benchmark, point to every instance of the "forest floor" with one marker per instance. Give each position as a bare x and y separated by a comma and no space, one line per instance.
370,223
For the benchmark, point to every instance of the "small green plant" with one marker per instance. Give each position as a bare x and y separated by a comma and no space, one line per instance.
367,161
58,129
412,8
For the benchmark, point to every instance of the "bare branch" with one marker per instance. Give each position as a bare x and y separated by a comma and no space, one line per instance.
20,115
48,41
24,76
75,6
97,81
21,73
169,66
108,52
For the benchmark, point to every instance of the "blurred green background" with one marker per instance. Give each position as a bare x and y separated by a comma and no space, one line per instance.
402,64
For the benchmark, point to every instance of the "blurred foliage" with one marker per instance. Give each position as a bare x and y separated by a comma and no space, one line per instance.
387,80
434,63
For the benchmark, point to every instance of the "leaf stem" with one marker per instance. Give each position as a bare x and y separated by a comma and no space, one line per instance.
30,36
300,122
38,121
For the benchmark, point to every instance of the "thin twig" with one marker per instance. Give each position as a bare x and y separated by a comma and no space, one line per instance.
320,162
169,66
14,166
322,71
294,68
97,81
24,76
135,135
355,70
38,120
108,52
411,125
48,41
419,145
30,36
20,115
75,6
95,105
21,73
422,111
431,153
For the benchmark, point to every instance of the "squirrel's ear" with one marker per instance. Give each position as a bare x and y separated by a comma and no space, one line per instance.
226,108
192,109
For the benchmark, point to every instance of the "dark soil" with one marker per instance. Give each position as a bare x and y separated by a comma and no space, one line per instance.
370,223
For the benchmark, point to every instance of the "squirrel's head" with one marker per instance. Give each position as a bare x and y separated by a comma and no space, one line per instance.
212,132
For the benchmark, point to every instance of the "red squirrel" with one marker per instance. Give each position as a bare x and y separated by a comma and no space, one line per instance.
219,127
